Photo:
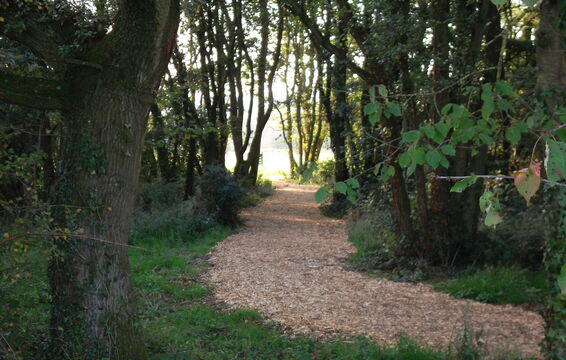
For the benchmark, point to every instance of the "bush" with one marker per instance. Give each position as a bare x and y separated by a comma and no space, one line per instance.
378,246
221,195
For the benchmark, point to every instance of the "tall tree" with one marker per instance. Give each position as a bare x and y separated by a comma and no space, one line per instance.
103,84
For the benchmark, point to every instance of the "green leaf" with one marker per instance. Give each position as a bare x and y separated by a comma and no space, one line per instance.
512,135
464,184
351,195
372,94
353,183
394,108
341,187
418,156
448,150
555,161
503,88
498,3
321,195
443,129
446,108
410,136
382,90
370,108
373,118
428,130
529,3
492,218
411,169
486,139
433,158
488,104
405,159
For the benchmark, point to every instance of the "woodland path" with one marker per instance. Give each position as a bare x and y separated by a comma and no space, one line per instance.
288,262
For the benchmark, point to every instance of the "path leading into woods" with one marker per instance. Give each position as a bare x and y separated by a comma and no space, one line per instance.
289,264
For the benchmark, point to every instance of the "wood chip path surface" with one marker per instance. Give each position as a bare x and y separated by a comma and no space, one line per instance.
288,263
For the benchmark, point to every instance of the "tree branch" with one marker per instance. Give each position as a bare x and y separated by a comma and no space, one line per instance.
34,93
322,41
457,178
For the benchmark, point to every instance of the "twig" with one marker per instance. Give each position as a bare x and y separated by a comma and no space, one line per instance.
83,237
456,178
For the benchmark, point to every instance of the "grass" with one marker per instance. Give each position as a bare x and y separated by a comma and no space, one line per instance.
498,285
179,323
176,315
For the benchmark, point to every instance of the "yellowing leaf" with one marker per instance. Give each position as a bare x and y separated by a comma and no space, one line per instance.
527,181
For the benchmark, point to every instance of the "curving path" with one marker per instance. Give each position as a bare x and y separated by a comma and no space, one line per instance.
288,261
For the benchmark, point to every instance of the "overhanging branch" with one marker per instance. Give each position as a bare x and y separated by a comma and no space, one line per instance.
29,92
322,41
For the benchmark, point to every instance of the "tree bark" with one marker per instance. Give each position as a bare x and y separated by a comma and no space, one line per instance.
105,107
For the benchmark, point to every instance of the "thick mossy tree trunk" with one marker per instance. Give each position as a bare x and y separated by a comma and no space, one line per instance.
104,91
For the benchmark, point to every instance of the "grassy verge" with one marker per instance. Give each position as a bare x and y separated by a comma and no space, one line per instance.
498,285
179,323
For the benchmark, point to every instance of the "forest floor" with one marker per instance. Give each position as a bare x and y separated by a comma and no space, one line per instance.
289,263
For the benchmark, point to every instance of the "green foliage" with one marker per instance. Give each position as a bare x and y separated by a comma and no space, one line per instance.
498,285
221,194
179,323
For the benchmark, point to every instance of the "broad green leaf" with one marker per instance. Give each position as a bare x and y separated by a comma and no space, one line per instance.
382,90
488,106
411,169
428,130
410,136
387,172
443,129
433,158
321,195
527,181
486,139
446,108
529,3
351,195
390,170
555,161
444,162
418,156
370,108
503,88
353,183
373,118
464,184
372,94
405,159
394,108
341,187
498,3
448,150
492,218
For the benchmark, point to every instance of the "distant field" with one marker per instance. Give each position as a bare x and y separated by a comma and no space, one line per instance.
275,163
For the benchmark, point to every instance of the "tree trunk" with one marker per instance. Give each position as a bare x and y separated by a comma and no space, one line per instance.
106,111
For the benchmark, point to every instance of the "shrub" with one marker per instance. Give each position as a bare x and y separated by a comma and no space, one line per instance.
221,195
